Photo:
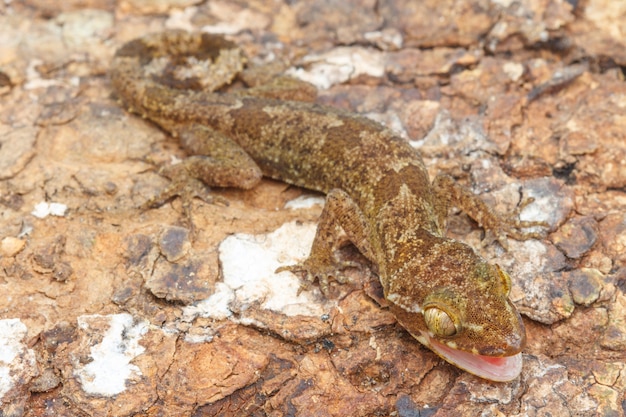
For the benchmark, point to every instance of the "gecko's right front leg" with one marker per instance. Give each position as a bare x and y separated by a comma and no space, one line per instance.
340,213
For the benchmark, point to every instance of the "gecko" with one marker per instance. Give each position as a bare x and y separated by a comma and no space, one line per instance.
378,191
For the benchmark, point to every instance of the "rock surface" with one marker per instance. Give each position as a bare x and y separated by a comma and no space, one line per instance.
111,310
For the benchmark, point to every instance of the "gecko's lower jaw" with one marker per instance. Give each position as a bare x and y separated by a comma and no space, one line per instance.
499,369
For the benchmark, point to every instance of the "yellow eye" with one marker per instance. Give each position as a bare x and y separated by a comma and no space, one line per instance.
505,279
439,322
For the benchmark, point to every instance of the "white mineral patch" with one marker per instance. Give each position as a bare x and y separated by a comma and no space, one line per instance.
248,264
17,362
305,201
216,306
539,210
340,65
514,70
111,366
43,210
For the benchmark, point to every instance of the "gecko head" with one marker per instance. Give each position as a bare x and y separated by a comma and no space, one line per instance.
458,306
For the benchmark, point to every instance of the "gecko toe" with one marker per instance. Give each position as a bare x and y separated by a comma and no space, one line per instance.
324,274
187,189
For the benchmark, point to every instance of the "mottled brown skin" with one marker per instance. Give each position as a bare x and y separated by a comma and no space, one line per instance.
377,187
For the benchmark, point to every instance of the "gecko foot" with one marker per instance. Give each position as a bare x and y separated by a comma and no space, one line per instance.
323,272
511,226
187,188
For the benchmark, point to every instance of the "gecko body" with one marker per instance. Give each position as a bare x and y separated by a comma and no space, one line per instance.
378,192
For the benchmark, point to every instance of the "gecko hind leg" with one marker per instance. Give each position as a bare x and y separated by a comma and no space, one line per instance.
340,213
184,186
215,161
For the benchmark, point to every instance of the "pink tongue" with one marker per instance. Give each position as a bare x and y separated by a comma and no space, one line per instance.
499,369
492,360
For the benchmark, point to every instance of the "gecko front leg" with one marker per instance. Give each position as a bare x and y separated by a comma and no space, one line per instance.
340,213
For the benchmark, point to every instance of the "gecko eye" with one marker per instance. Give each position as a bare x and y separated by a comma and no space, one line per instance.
505,279
440,323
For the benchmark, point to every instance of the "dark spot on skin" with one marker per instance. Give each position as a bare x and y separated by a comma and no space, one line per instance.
137,49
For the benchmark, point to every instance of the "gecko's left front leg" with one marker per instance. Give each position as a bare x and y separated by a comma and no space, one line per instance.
340,213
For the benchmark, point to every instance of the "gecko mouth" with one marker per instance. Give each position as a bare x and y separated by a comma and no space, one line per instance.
493,368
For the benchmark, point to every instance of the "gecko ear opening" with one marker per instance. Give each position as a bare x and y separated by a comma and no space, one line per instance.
505,279
441,323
